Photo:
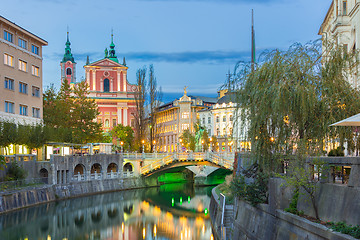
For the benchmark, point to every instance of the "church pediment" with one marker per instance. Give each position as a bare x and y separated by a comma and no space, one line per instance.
106,63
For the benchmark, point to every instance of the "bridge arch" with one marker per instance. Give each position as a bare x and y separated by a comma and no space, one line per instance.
96,167
128,167
96,216
79,169
112,167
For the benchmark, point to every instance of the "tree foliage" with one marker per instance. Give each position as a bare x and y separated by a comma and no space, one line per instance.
124,134
69,115
292,97
139,114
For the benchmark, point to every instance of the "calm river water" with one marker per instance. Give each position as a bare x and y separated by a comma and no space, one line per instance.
172,211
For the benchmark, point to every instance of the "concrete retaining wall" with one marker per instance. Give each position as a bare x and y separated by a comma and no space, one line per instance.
263,222
30,197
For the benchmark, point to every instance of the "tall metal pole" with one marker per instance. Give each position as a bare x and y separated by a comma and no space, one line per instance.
252,41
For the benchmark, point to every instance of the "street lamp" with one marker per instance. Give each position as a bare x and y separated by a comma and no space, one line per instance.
143,146
154,143
210,147
202,145
121,145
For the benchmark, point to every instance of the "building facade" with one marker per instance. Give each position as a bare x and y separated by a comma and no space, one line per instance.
108,86
21,74
173,118
341,26
228,134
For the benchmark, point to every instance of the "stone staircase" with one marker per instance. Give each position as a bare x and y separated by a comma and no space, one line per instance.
228,220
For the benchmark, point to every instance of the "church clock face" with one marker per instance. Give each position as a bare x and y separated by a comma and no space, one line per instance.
106,74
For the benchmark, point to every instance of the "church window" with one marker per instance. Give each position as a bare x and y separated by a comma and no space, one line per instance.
106,85
344,8
68,71
107,124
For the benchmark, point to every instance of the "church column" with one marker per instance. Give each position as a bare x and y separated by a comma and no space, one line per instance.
101,85
111,85
118,81
88,79
124,82
125,117
119,116
94,79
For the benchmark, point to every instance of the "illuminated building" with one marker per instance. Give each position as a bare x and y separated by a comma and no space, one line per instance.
107,85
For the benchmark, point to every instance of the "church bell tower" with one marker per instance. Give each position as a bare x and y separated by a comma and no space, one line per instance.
68,64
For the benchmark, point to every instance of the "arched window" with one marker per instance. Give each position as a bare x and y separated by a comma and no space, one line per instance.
68,71
107,123
106,85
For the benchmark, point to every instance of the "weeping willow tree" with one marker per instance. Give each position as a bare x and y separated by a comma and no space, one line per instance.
291,97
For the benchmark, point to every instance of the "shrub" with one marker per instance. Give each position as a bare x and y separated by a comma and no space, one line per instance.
15,172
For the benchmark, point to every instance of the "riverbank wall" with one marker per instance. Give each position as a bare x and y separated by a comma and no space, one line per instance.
270,222
14,200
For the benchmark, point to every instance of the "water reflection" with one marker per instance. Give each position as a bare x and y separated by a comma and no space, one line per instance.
176,211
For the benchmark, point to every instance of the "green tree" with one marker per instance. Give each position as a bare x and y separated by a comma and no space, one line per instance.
8,134
291,98
188,140
124,134
84,111
139,114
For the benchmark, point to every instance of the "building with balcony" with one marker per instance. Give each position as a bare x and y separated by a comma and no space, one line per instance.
20,74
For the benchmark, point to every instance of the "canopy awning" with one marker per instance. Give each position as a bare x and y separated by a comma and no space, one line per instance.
350,121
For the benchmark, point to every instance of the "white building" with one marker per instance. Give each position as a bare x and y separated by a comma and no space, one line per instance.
342,26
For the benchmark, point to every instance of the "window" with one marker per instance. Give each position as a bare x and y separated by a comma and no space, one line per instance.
231,118
22,43
9,83
114,122
209,119
218,132
185,115
107,123
22,65
185,126
35,70
204,120
9,107
36,112
217,119
23,88
224,118
8,60
23,110
344,8
36,91
68,71
106,85
35,49
8,36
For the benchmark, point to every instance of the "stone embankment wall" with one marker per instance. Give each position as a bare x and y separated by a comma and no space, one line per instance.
270,222
30,197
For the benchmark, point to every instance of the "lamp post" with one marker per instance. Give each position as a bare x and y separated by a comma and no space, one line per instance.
121,145
154,143
202,145
179,144
210,144
143,146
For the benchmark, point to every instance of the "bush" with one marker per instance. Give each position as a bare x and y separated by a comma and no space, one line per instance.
255,192
15,172
338,152
342,227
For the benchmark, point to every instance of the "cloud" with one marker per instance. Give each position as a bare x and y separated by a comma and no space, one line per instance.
189,57
175,57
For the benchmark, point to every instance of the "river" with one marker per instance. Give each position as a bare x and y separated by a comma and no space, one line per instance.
172,211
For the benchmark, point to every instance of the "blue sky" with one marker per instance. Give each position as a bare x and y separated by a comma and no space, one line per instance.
190,42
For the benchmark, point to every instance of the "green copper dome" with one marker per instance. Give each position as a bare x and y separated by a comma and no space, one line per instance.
68,55
112,55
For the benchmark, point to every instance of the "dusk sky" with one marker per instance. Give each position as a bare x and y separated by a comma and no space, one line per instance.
190,42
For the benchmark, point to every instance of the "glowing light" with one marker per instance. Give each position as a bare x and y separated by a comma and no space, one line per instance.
169,215
203,228
155,230
211,237
272,139
199,221
188,199
180,200
172,202
144,233
157,211
122,227
206,211
48,237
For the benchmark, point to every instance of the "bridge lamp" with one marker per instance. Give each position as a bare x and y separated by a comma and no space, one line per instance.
154,143
121,145
143,147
